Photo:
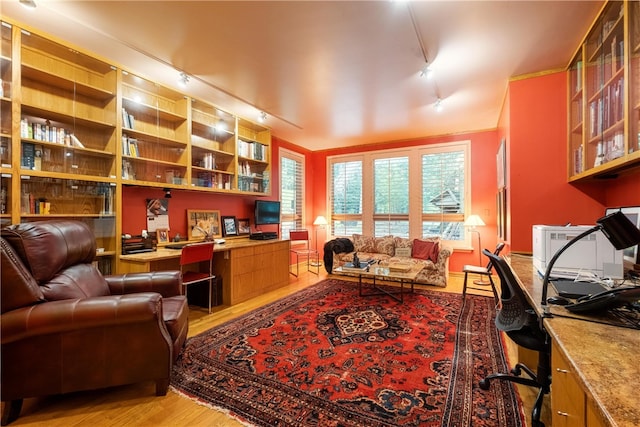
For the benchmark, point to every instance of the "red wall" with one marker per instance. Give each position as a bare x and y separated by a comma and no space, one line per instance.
484,146
538,191
533,122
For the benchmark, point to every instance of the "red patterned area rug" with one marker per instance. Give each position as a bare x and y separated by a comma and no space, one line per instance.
325,356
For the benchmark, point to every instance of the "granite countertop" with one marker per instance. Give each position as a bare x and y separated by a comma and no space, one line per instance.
604,358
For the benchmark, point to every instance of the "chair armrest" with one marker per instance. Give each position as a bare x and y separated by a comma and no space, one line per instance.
62,316
166,283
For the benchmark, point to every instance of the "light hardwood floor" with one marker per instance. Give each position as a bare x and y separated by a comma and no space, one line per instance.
137,405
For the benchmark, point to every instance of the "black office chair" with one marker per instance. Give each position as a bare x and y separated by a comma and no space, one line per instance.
482,272
518,319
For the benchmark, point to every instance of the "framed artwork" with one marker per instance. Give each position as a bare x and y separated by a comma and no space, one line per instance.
203,224
162,235
501,165
501,210
244,226
229,226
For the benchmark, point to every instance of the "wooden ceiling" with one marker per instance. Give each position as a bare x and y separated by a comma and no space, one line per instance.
330,74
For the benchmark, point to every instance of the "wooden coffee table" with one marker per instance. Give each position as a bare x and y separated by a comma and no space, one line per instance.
379,272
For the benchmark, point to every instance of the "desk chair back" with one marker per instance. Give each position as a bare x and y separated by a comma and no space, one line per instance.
310,255
197,253
517,317
496,252
299,236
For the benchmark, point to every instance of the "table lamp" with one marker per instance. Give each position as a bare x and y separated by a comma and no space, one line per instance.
616,227
320,221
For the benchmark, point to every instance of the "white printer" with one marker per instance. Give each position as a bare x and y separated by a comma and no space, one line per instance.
593,254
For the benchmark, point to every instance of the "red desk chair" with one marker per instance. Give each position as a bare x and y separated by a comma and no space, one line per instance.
300,237
195,254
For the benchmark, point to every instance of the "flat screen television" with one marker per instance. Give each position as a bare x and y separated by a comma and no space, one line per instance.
267,212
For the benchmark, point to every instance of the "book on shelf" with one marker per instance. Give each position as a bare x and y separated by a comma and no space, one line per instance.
28,155
125,119
76,142
133,147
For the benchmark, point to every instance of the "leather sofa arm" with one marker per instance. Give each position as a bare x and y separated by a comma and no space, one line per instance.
166,283
56,317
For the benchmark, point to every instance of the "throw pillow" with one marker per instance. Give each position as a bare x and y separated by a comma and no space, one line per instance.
403,242
426,249
384,245
363,243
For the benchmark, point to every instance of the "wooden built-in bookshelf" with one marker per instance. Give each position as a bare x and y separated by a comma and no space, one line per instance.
75,129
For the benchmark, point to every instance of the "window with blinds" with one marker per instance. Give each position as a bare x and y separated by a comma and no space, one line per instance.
391,196
291,192
346,197
443,189
413,192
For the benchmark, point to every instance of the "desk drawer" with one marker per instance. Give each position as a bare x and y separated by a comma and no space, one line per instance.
567,397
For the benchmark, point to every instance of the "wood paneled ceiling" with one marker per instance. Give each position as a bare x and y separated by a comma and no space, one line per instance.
330,74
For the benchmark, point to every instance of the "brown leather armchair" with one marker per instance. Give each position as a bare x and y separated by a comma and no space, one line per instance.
66,327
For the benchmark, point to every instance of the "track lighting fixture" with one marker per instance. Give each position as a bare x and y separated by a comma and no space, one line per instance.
263,117
438,105
29,4
426,71
183,79
167,193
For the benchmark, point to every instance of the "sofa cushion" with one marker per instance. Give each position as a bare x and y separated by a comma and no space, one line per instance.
384,245
426,249
403,244
363,243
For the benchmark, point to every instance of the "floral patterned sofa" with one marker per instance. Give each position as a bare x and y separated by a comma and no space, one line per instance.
428,252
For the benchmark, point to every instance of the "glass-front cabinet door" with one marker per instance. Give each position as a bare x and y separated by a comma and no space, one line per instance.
68,140
605,80
634,73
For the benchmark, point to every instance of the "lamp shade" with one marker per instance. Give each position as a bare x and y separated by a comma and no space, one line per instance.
474,221
619,230
320,220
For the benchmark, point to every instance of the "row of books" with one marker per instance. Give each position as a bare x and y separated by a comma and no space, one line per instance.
130,146
252,150
607,110
208,161
128,121
212,180
48,133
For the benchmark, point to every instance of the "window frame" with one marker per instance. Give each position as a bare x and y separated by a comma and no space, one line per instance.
415,215
298,218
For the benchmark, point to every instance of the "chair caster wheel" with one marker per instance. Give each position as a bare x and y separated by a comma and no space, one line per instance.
537,424
517,371
484,384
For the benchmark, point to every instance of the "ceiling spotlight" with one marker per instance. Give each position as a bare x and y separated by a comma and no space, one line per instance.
263,117
426,71
438,105
29,4
183,79
167,193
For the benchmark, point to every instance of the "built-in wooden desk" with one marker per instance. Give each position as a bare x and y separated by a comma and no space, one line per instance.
596,367
248,267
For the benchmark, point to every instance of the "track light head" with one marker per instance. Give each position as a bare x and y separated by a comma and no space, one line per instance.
262,117
438,105
183,79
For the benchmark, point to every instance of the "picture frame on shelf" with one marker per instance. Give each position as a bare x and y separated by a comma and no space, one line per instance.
229,226
162,234
203,224
244,227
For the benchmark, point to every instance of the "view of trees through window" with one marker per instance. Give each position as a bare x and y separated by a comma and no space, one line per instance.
416,192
